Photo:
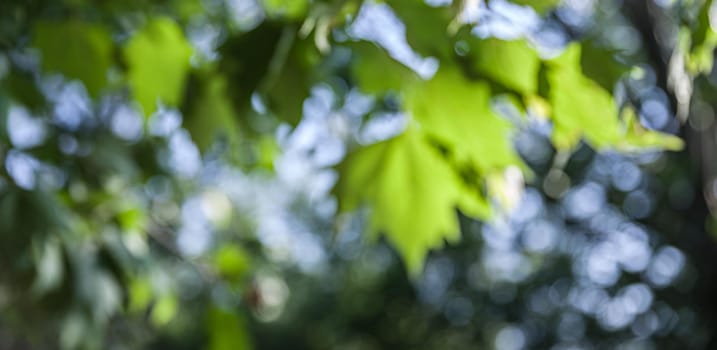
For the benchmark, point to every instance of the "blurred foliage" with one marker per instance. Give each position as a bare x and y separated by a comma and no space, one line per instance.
168,166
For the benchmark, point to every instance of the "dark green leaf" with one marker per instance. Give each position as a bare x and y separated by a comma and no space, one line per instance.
76,49
377,72
227,331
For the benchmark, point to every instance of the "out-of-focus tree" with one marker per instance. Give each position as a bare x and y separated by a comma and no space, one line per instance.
205,173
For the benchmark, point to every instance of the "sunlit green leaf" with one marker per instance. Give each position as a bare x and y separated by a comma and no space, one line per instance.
702,40
697,41
581,108
158,61
513,64
412,193
637,137
377,72
457,112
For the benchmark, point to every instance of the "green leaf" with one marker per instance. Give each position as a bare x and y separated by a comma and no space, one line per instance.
231,261
227,331
49,266
377,72
210,114
288,85
132,217
456,111
581,108
76,49
158,59
702,40
513,64
267,150
412,193
21,87
245,72
427,27
637,137
292,9
139,295
599,64
540,6
164,310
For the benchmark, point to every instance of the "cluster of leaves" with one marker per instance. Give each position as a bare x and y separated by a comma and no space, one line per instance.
100,235
454,138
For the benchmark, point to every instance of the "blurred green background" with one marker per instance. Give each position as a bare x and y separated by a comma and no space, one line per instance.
285,174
